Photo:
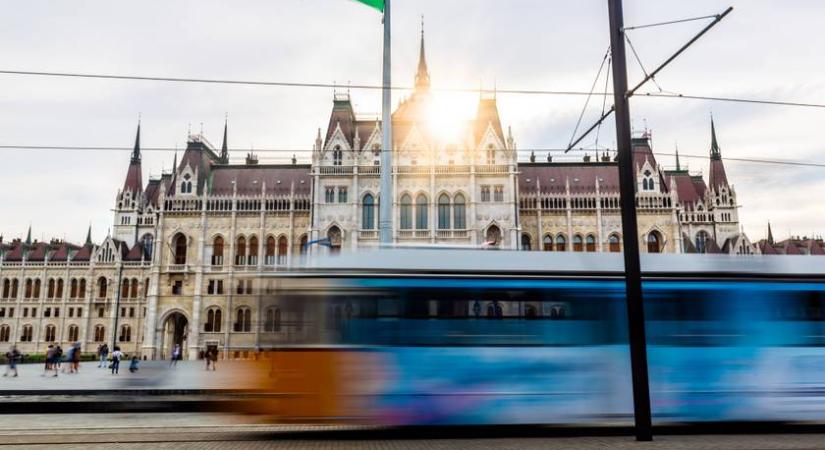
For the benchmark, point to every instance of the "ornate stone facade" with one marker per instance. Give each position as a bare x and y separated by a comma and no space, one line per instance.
184,260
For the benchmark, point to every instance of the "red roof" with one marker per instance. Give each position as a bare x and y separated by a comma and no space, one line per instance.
134,178
581,176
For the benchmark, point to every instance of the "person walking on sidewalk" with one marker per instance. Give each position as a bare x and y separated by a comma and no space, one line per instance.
75,364
50,352
116,356
103,354
176,354
12,357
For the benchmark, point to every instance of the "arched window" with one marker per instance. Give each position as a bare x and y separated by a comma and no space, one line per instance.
243,322
217,251
81,291
273,319
102,287
282,249
59,291
50,334
37,288
6,288
459,212
614,243
253,251
493,236
406,212
547,243
26,334
578,243
269,256
443,212
100,333
304,240
180,249
5,333
133,292
125,334
526,242
334,236
647,182
124,289
590,243
368,213
73,288
14,285
213,320
28,291
73,333
654,242
50,289
337,156
561,243
421,222
702,238
240,251
148,244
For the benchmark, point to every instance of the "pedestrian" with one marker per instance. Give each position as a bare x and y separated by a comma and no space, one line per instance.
69,358
58,358
133,366
50,352
12,357
213,355
116,356
176,354
75,358
103,353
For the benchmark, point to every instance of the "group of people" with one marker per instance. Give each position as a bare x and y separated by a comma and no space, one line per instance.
56,357
114,363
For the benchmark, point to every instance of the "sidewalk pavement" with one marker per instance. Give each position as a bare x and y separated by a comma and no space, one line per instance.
185,375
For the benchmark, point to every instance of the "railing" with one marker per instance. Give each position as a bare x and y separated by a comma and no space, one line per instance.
335,170
369,170
368,234
452,234
414,234
177,268
452,169
489,168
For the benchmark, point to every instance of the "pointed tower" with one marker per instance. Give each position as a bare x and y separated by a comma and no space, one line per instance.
721,195
718,177
224,159
29,236
770,234
129,199
422,75
89,236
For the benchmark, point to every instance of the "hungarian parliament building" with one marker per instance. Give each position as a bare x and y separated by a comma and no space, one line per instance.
187,249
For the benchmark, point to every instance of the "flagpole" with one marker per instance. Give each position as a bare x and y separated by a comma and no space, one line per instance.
386,197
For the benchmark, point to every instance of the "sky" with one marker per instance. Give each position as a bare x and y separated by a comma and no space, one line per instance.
759,51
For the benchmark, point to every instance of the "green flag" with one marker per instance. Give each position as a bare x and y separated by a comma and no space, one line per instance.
377,4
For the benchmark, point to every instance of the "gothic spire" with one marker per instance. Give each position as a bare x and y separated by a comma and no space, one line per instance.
136,151
224,146
678,166
29,236
89,235
714,145
422,76
770,234
718,177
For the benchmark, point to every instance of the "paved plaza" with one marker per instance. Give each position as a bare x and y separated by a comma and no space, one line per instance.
151,375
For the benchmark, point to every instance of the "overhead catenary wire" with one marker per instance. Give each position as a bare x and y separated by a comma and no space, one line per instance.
670,22
605,59
523,151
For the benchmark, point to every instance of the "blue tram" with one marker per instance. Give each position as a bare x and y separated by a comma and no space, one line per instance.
495,337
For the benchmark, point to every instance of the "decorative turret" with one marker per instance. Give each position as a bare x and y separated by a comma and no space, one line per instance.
134,177
224,158
422,75
718,178
89,236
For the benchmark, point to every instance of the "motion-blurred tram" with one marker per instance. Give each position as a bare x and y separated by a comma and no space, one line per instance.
412,337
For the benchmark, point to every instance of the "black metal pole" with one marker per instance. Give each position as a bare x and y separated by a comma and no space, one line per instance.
627,187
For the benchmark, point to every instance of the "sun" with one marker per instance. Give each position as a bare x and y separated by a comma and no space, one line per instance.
447,119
